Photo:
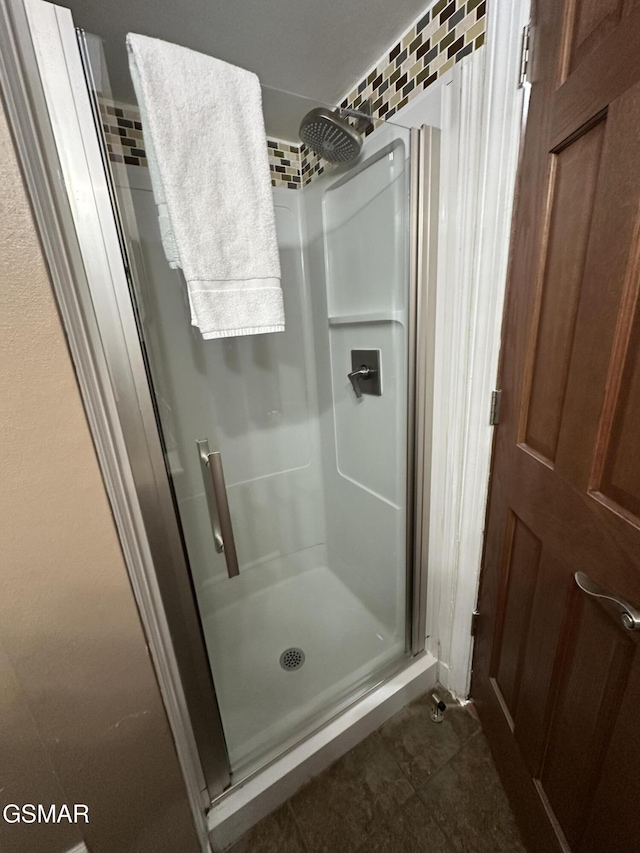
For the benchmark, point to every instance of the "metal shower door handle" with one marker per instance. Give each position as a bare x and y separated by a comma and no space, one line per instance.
215,490
629,615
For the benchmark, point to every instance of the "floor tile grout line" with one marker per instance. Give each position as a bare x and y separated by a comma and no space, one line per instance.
370,836
434,814
441,826
451,757
394,759
293,811
388,819
444,827
449,760
386,823
297,825
374,735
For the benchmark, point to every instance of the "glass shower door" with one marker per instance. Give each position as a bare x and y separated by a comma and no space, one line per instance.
314,475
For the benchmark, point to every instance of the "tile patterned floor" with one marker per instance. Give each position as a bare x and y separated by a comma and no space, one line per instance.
411,787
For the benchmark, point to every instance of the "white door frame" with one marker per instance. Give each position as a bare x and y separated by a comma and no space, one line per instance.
482,121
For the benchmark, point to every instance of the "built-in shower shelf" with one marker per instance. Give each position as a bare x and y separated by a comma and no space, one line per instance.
371,317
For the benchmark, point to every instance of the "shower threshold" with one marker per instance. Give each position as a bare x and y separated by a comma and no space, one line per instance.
244,804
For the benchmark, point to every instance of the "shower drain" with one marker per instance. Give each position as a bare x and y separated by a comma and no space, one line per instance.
292,658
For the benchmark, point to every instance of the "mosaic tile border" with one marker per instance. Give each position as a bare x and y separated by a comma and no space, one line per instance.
312,165
292,166
123,133
446,32
284,164
125,144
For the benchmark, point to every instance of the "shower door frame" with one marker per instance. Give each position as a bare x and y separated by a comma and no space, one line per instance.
107,358
99,318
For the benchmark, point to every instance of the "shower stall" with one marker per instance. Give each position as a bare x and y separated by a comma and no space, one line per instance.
311,603
281,480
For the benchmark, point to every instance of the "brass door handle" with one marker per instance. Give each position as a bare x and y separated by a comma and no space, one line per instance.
629,615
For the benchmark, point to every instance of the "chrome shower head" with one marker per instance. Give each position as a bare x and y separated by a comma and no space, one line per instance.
330,135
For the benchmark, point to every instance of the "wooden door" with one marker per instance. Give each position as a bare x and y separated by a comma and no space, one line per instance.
556,674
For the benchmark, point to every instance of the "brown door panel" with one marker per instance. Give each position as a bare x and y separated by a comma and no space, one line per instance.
556,674
593,663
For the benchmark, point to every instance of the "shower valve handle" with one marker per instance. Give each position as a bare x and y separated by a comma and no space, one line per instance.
355,376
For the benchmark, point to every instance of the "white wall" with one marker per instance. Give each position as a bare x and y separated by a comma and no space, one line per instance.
357,251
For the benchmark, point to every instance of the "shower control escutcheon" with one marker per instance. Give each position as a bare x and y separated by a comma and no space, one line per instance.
365,375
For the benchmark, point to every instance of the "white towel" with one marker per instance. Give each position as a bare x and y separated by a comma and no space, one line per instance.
207,152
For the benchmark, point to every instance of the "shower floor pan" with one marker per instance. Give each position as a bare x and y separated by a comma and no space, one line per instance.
249,625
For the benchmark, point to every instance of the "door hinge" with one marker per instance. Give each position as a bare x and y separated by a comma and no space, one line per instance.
524,57
494,416
474,622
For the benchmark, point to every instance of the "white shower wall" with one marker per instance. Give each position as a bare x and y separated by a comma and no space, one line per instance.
357,255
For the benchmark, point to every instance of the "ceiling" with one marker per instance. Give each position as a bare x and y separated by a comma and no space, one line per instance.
317,50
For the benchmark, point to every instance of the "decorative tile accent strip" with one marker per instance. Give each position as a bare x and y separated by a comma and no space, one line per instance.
123,132
447,32
312,166
284,164
125,144
292,166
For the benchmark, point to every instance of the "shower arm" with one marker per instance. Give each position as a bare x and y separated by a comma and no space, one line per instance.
363,116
